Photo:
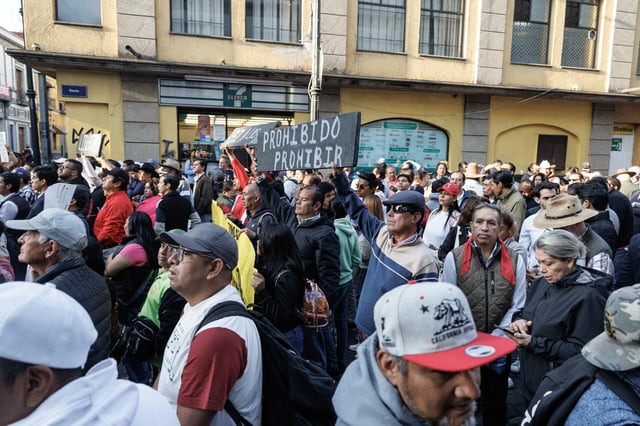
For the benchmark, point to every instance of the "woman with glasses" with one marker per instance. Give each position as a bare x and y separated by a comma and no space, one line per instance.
563,309
279,283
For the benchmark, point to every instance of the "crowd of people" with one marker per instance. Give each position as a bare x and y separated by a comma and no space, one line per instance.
451,281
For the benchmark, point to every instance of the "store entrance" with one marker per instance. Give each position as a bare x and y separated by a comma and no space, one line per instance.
200,132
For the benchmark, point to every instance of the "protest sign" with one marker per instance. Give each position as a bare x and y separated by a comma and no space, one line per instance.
312,145
91,144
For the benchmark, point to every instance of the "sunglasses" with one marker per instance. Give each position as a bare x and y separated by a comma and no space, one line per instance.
401,208
363,186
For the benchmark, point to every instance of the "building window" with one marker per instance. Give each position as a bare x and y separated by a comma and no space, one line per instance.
78,11
530,41
580,33
201,17
381,25
20,94
441,28
273,20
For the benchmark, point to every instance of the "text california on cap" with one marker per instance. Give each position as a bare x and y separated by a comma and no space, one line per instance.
61,226
618,347
42,325
562,210
431,324
207,238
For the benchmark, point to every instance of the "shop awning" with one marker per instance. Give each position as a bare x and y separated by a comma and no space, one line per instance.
247,135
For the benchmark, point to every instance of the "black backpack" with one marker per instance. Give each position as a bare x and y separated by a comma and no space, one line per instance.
561,389
294,390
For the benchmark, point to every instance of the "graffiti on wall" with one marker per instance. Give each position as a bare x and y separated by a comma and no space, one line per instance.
75,136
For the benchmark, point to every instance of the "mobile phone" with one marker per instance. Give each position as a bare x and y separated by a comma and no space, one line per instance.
505,329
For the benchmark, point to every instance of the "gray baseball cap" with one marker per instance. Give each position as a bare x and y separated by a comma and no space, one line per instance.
61,226
618,347
207,238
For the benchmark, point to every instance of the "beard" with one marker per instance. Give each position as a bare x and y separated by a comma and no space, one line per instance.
471,421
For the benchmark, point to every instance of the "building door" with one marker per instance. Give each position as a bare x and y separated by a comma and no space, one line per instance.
552,148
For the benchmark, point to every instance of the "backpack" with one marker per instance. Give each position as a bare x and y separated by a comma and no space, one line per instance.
315,310
294,390
561,389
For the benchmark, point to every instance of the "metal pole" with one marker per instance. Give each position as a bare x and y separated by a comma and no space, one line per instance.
315,85
33,117
44,119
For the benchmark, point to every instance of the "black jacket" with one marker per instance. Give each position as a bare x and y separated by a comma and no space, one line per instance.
90,290
316,240
602,225
564,316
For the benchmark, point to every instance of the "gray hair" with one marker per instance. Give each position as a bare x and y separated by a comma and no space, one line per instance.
64,253
560,244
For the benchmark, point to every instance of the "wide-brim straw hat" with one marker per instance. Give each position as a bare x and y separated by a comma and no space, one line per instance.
544,164
563,210
473,171
623,172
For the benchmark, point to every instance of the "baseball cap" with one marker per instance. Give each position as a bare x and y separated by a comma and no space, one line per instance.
149,168
61,226
412,198
23,173
42,325
618,347
119,174
207,238
431,324
450,188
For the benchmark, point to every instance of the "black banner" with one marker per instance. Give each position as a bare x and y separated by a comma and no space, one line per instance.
312,145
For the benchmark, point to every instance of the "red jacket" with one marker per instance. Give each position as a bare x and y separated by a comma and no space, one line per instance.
109,225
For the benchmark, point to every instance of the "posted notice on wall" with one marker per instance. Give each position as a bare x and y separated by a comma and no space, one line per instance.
91,144
312,145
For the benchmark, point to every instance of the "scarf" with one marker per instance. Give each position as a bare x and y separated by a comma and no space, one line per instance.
506,267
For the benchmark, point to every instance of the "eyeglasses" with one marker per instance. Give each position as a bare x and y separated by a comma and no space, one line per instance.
401,208
180,253
363,186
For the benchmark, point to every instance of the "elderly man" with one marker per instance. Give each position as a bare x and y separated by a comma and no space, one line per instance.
398,253
260,214
109,224
566,212
203,368
46,336
421,365
52,245
493,278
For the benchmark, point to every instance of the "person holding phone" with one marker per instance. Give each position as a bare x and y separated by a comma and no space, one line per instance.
563,309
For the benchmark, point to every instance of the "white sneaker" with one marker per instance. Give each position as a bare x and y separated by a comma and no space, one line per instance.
515,366
510,383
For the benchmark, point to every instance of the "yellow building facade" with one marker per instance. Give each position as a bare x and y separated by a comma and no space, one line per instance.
522,81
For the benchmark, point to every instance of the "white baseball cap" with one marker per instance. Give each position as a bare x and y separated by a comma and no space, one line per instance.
431,324
42,325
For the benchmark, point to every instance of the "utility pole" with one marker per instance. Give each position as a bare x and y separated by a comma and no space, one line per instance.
33,117
315,84
44,119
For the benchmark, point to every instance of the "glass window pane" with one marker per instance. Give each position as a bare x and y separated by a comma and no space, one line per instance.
381,25
79,11
275,20
201,17
580,33
441,28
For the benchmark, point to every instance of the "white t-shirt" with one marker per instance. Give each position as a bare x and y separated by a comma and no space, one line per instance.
199,366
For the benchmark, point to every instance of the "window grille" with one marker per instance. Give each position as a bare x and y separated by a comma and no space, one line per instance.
530,41
580,33
201,17
441,26
274,20
381,25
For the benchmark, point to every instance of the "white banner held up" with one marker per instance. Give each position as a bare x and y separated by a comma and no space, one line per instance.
91,144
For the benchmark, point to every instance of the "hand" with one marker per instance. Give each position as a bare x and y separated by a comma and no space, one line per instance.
229,152
521,339
532,274
257,282
336,170
521,326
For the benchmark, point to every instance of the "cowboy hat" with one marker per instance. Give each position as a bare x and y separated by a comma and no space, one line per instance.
562,210
473,171
544,164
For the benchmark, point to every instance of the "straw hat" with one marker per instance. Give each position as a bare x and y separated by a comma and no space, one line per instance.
623,172
563,210
473,171
544,164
